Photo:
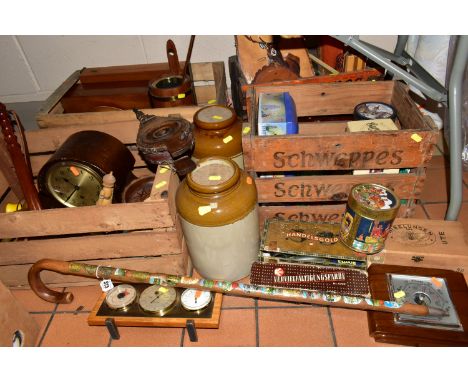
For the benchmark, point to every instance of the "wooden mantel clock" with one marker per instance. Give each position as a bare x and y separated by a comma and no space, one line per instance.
73,174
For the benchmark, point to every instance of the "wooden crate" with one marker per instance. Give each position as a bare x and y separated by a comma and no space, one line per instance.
128,86
322,156
144,236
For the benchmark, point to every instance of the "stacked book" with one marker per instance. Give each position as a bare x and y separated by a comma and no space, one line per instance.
305,255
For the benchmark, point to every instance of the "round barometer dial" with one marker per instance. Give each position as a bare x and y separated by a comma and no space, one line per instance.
193,299
121,296
158,299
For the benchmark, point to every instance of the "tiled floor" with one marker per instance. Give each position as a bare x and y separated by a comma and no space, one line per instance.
244,321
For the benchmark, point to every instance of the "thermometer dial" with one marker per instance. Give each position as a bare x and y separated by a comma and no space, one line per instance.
193,299
121,296
158,299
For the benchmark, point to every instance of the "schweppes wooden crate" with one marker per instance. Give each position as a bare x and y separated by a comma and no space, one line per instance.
318,162
426,244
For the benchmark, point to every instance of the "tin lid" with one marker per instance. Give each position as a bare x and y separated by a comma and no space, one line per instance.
214,117
374,201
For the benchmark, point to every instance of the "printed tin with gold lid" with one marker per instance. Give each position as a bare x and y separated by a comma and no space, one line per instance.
369,215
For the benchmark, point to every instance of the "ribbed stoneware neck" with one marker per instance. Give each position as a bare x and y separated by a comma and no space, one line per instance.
213,175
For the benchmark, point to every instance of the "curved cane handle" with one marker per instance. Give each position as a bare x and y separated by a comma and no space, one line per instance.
38,286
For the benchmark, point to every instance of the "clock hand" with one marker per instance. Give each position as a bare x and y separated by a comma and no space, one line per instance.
155,298
74,185
69,196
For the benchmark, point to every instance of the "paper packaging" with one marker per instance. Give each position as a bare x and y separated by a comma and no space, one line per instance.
276,114
371,125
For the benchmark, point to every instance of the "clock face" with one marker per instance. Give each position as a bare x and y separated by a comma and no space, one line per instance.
73,184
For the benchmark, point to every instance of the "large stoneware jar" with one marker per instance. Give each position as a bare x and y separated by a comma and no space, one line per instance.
217,206
218,132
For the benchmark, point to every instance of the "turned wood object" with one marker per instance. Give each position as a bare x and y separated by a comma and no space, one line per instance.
173,88
20,162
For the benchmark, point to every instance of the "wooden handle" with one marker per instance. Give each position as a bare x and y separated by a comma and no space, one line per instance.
172,58
38,286
189,55
229,288
21,164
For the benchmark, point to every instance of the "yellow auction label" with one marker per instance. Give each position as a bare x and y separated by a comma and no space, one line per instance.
181,95
228,139
160,184
416,137
203,210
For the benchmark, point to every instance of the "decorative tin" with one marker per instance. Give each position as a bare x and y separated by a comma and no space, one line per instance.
217,205
286,241
369,215
218,133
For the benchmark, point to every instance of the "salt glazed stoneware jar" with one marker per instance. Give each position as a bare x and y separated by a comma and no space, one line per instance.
218,132
217,206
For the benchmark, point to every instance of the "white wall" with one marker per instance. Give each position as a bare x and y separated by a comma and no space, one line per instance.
32,67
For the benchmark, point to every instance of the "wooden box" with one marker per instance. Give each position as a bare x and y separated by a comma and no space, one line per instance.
318,162
143,236
425,243
125,87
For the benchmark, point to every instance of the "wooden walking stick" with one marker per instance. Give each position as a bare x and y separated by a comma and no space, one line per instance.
225,287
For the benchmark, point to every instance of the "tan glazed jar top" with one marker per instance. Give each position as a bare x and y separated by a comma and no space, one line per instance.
217,192
217,132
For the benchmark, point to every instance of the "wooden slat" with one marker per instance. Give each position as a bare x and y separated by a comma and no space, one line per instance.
318,213
205,94
111,117
17,275
330,98
62,221
408,114
331,187
124,73
57,95
220,83
304,213
360,150
87,247
202,71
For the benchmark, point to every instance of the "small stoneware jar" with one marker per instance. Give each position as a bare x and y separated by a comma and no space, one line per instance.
217,206
218,132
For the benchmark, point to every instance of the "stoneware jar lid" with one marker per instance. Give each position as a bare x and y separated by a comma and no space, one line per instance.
214,117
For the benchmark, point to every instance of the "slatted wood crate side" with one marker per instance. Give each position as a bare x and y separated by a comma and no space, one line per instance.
341,150
211,84
325,99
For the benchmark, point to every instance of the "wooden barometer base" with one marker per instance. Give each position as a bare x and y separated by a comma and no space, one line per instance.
383,327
